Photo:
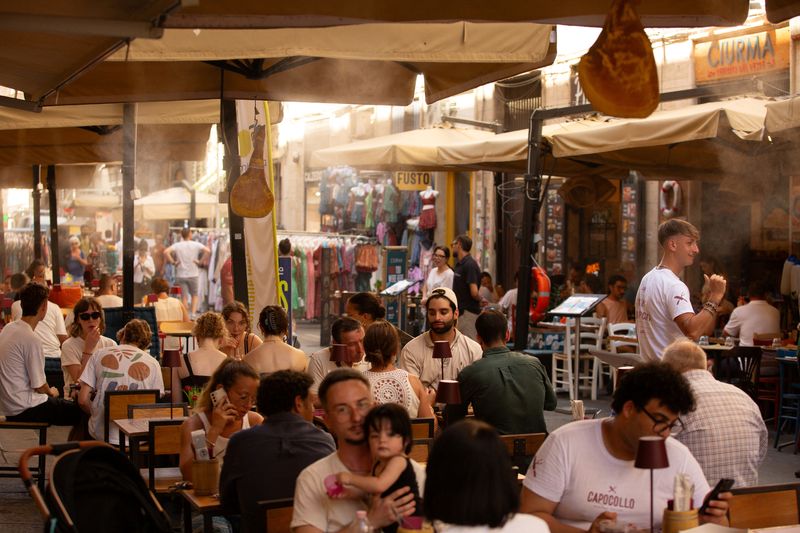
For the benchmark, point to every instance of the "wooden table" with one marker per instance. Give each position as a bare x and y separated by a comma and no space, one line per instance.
207,506
136,430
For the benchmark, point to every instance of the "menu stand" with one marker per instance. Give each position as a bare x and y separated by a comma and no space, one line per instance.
576,307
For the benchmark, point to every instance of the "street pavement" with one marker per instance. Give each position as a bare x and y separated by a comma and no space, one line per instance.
18,514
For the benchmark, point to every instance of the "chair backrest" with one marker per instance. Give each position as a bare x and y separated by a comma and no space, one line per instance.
523,447
420,450
765,506
115,321
277,515
739,366
116,402
421,428
157,410
592,339
164,438
625,329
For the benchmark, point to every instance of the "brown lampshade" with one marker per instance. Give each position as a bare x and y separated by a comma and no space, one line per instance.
171,359
7,303
651,453
152,298
448,391
339,353
621,371
441,350
175,291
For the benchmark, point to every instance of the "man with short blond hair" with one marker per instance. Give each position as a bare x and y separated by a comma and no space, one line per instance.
663,310
725,432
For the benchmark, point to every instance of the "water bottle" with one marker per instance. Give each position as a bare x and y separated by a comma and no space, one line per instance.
361,524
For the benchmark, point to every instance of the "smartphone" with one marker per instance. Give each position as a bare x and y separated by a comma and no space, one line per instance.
218,397
724,485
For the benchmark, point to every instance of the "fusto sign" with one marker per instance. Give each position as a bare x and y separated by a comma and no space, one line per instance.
413,181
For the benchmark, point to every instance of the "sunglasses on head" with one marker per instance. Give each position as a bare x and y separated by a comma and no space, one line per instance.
86,316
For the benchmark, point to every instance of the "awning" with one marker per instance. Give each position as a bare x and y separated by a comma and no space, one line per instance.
67,176
703,141
409,150
174,204
368,64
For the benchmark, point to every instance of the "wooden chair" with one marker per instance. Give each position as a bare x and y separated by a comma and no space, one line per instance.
765,506
421,428
166,376
164,439
523,447
592,339
561,369
116,402
277,515
158,410
420,450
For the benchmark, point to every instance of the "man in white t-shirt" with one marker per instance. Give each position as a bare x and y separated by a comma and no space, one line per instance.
663,310
25,395
51,330
346,398
186,255
347,331
508,303
584,472
758,316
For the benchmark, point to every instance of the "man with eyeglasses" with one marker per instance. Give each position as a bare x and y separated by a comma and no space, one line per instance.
725,433
416,357
347,398
584,472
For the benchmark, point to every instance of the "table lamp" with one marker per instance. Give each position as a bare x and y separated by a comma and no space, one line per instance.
651,454
339,353
171,359
441,350
175,292
448,391
152,298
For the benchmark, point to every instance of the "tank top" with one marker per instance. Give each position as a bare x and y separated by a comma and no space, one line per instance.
393,387
221,444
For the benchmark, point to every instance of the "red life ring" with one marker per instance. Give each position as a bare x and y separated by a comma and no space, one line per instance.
669,210
540,283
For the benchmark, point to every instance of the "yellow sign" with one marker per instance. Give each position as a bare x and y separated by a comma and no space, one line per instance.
742,55
413,181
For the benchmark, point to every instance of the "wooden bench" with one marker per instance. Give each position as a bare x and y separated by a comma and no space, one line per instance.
38,471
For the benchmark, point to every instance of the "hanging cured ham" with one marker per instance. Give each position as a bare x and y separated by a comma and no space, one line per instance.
251,196
618,73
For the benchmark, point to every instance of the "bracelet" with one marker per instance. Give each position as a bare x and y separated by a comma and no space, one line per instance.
711,308
87,353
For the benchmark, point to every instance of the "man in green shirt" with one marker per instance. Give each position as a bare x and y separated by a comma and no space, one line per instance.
508,390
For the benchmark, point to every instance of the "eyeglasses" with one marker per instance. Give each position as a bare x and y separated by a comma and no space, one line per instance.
660,425
86,316
343,412
442,256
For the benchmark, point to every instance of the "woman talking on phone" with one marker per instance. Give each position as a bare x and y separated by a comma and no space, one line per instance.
221,415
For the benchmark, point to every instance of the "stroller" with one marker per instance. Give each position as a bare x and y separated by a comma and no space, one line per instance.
93,488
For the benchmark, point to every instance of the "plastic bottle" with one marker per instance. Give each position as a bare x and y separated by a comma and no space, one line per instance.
361,523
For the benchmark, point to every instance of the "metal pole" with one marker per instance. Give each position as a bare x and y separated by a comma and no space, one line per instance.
233,166
2,234
129,128
37,213
192,208
52,200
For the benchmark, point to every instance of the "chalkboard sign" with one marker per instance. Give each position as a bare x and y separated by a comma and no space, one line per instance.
630,221
395,266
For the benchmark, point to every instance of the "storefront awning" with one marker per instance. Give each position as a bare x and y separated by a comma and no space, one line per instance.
369,63
174,204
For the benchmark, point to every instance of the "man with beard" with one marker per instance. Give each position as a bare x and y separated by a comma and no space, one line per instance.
663,310
347,398
417,356
508,390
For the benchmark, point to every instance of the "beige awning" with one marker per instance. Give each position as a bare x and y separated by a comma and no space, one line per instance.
701,141
67,176
174,204
409,150
369,64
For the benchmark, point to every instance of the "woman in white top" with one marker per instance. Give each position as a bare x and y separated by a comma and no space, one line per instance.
143,270
441,275
274,354
168,309
240,383
198,366
86,336
390,384
469,486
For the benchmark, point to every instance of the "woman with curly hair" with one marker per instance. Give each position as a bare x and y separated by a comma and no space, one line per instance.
240,340
125,367
274,354
85,336
197,366
240,383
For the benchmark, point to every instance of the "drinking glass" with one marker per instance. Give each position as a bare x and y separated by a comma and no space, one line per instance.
703,340
776,343
729,341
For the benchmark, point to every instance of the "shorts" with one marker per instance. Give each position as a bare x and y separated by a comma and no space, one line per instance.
188,285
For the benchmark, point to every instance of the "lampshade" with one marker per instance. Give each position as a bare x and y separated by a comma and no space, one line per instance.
621,371
152,298
95,283
448,391
7,303
339,353
441,350
651,453
171,358
175,291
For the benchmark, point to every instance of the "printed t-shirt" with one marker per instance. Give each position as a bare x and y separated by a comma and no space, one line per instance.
662,297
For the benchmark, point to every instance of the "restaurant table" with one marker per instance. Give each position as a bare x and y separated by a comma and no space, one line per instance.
136,430
207,506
